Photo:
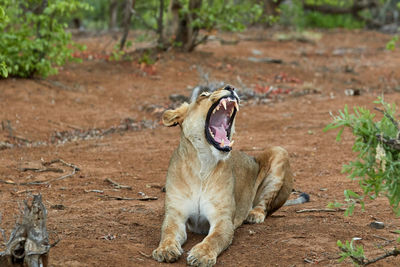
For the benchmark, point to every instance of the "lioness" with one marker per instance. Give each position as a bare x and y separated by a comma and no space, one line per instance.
211,189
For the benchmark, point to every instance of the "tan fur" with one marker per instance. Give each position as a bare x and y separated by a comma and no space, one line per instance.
213,192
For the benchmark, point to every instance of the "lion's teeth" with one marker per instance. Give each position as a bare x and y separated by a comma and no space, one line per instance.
223,101
211,133
236,106
217,108
231,143
222,143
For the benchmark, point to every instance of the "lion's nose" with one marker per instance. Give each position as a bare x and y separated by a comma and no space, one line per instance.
229,88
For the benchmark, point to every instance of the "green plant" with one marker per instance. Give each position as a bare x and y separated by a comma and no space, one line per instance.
33,40
293,14
225,15
391,45
3,67
117,54
377,166
348,250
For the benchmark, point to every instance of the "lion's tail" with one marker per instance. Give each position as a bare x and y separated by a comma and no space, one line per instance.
303,198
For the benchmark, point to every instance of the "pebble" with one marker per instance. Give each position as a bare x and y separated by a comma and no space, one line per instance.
377,225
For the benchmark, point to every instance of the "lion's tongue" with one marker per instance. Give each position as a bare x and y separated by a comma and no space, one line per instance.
220,134
219,125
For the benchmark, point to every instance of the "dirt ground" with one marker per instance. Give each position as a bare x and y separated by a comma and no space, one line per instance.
103,117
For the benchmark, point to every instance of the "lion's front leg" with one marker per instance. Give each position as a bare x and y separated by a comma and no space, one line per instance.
173,235
218,239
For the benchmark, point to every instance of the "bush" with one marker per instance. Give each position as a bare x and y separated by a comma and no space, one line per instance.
3,67
33,40
293,14
377,166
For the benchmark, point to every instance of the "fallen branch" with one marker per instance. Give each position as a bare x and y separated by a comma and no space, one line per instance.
74,170
117,185
42,170
117,197
320,210
94,191
145,198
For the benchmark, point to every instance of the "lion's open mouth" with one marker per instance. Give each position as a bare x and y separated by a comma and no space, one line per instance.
219,122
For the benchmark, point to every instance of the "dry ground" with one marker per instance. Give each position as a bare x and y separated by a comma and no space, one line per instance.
120,103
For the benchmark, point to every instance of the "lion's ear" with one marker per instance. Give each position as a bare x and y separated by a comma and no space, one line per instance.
175,116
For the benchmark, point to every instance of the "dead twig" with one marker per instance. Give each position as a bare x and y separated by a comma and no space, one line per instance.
42,170
7,182
144,254
145,198
117,197
117,185
94,191
74,170
320,210
23,191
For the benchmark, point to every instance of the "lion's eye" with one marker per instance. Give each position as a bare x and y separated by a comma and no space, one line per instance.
205,94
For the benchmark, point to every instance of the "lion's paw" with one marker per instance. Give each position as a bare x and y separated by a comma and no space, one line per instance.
169,251
255,216
201,255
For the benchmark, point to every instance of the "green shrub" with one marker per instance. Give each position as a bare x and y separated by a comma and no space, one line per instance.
377,166
293,14
226,15
3,67
33,40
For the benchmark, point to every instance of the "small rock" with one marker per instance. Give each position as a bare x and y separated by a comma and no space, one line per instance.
352,92
377,225
256,52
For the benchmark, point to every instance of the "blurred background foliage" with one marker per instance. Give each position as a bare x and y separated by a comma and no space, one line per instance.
35,35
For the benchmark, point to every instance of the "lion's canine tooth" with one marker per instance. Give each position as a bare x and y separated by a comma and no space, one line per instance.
231,143
217,108
223,101
222,143
236,106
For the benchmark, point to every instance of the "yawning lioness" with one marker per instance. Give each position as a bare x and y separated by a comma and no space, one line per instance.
212,189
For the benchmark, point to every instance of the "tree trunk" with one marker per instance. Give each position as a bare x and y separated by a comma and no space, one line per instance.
160,24
270,7
126,23
186,34
113,14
